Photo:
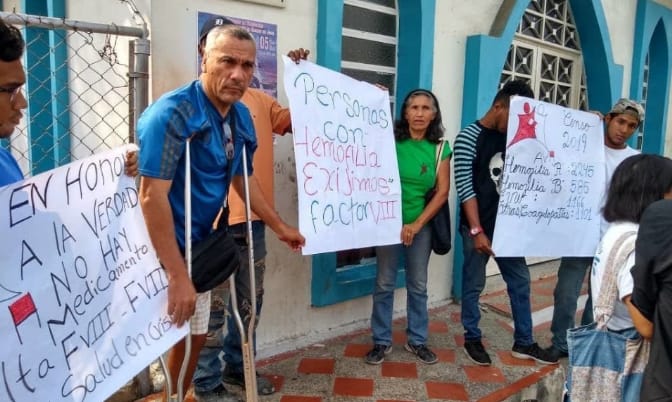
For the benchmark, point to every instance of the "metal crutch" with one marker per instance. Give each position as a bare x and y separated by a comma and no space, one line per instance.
187,255
247,338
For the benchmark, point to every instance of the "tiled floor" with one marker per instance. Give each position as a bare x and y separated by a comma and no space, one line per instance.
335,370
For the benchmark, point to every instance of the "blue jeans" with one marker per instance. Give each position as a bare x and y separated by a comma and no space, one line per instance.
416,259
208,372
517,277
571,274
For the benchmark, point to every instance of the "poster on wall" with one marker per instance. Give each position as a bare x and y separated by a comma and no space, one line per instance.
82,295
266,68
346,162
551,182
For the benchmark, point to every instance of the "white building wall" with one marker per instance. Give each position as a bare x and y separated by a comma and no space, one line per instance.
620,16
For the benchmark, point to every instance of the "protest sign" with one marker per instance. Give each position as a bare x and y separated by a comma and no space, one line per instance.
551,182
83,297
346,163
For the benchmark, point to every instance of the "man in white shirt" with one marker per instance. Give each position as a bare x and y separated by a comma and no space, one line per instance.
620,124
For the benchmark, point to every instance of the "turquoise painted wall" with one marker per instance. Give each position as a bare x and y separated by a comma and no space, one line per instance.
653,35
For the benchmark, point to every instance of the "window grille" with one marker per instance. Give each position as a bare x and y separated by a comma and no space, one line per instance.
546,53
369,46
369,53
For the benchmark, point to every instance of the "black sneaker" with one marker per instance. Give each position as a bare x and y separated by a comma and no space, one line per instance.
377,354
533,352
264,385
422,351
476,353
556,353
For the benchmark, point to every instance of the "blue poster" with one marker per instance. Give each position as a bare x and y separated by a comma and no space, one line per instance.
266,69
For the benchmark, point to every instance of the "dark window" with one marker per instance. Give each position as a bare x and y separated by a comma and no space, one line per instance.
369,52
369,21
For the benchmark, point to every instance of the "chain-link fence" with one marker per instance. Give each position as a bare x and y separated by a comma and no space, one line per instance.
86,83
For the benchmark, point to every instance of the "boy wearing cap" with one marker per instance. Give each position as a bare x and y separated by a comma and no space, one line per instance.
476,147
620,124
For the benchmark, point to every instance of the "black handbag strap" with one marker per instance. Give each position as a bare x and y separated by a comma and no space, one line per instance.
223,221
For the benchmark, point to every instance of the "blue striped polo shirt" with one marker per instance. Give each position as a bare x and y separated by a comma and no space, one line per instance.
163,130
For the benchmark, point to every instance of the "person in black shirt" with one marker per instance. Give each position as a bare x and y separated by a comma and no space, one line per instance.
652,295
479,160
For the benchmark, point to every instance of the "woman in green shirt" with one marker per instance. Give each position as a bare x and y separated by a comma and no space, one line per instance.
419,139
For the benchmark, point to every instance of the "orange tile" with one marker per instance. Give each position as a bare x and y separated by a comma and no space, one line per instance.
277,380
442,390
459,340
392,400
543,290
456,317
297,398
540,303
357,349
514,388
493,295
543,327
438,326
353,386
399,337
155,397
505,325
543,303
399,369
503,307
506,358
484,374
316,366
445,355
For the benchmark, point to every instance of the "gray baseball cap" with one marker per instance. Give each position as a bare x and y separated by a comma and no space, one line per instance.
627,106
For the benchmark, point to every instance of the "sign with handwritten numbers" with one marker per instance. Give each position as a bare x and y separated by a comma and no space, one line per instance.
551,182
82,295
346,163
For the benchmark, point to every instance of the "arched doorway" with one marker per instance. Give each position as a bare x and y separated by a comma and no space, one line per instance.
486,56
654,92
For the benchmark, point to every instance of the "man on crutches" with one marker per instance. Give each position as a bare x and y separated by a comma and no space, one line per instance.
224,338
198,112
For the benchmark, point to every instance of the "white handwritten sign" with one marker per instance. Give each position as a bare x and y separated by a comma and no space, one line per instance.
346,163
551,182
82,295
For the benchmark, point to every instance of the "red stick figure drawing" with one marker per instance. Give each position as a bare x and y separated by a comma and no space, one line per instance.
527,124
